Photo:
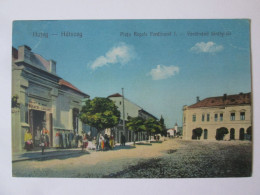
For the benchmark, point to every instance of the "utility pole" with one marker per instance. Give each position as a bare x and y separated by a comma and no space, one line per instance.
123,111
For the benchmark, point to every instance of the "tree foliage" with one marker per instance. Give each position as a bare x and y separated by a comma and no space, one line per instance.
136,124
197,133
163,130
221,132
153,126
100,113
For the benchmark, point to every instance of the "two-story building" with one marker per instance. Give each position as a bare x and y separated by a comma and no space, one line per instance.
231,112
130,110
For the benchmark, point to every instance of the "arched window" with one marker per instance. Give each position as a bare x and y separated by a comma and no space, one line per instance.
205,134
232,134
242,134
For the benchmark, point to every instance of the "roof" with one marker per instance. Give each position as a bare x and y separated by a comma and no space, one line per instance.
69,85
225,100
115,95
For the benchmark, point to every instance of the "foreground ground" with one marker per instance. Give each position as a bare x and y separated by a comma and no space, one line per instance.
170,159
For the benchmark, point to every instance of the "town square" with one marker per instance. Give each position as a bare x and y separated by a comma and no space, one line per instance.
143,99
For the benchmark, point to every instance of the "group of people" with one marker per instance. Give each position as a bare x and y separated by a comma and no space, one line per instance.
41,139
70,140
104,142
66,139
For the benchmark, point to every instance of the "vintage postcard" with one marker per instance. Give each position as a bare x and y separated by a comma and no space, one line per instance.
132,98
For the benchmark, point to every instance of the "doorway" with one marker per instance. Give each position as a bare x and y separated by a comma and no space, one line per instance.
37,120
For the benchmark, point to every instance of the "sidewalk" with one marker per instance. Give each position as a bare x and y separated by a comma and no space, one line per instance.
57,152
50,152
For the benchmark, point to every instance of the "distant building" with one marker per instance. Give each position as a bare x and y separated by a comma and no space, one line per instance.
41,99
131,110
230,112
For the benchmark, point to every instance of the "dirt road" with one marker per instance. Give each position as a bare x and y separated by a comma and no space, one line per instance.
172,158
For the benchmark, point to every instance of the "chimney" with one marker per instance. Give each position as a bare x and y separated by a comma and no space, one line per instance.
225,97
24,53
198,99
52,66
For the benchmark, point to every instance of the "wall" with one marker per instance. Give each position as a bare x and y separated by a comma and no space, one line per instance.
212,125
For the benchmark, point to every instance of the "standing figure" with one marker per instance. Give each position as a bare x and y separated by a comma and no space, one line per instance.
106,140
94,142
70,138
63,139
42,142
66,140
122,140
84,142
111,141
28,140
37,136
57,139
102,142
47,140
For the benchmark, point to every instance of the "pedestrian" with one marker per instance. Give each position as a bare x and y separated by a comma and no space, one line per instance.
102,142
28,140
47,140
97,142
76,140
42,142
94,142
122,140
57,140
84,142
106,140
111,141
70,138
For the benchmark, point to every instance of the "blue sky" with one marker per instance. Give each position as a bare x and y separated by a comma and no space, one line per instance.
159,73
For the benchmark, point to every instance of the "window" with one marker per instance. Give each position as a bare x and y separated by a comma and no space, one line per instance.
221,116
120,103
216,117
194,117
232,116
242,115
208,117
203,117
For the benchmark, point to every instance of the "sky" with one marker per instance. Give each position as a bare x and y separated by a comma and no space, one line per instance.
161,64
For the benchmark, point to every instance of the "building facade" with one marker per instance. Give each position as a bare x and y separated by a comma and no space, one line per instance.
131,110
230,112
41,99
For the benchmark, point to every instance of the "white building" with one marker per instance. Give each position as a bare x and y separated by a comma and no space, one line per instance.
131,110
43,99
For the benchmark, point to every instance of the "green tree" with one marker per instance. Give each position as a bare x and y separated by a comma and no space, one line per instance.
136,124
163,130
153,126
100,113
196,133
221,132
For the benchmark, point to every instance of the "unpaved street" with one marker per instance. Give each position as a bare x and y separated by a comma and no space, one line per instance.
170,159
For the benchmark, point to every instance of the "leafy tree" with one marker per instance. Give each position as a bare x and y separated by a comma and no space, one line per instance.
249,132
164,130
221,132
136,125
197,133
153,126
100,113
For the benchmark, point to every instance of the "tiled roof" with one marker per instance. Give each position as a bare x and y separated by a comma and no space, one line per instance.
225,100
69,85
115,95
